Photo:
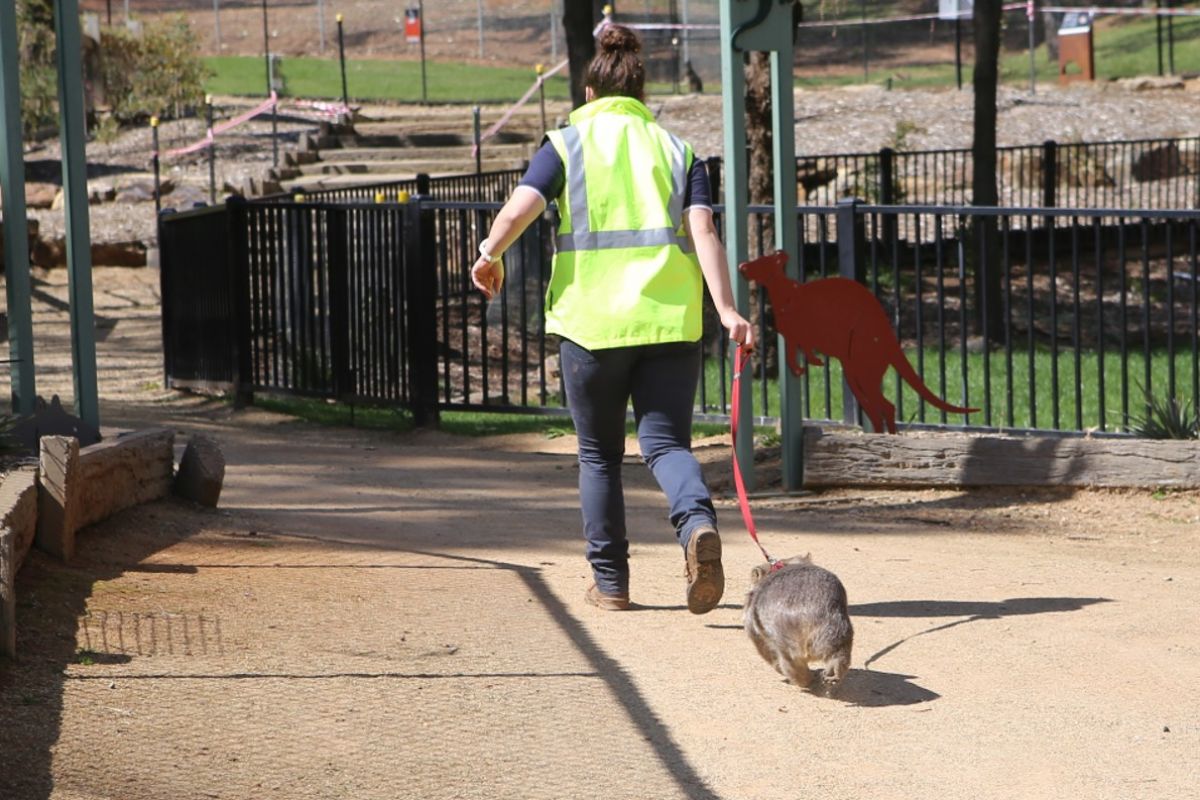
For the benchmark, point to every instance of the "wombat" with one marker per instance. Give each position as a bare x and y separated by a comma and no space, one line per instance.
796,617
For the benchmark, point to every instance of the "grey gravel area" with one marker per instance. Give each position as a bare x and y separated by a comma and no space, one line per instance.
852,119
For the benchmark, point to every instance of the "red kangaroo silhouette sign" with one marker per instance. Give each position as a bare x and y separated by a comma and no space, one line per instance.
841,319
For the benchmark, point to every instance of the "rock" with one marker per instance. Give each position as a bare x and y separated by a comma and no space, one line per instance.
812,174
48,252
201,471
101,194
33,237
185,196
1025,166
40,195
1158,163
1150,82
119,254
136,192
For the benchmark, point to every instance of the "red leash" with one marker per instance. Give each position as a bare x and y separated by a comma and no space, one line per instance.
739,364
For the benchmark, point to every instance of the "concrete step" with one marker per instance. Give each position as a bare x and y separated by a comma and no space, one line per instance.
314,183
404,137
341,155
408,165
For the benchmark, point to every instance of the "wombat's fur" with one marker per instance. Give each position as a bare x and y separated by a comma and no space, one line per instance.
796,617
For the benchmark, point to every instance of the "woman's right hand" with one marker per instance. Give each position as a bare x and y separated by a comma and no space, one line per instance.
488,276
740,330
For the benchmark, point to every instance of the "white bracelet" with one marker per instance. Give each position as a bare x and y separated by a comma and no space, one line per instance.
487,255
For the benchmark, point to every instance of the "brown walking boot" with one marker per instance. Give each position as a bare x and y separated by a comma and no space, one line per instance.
705,576
608,602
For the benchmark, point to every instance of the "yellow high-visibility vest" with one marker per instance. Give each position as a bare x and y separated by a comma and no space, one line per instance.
624,269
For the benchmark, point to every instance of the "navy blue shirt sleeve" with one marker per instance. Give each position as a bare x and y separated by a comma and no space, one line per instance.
697,192
546,175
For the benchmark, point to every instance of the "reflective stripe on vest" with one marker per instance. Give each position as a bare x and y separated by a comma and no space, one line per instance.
581,237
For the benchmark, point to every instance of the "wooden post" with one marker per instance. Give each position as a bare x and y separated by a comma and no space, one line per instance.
8,594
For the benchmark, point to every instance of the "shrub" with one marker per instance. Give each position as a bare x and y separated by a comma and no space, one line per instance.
158,73
39,88
1172,418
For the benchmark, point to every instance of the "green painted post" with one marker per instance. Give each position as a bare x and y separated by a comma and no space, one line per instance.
765,27
16,224
733,105
72,126
783,121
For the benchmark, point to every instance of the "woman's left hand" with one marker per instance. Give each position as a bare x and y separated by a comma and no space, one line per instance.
739,329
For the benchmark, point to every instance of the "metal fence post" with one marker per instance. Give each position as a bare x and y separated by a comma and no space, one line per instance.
237,220
1049,173
887,178
339,301
850,249
887,194
420,283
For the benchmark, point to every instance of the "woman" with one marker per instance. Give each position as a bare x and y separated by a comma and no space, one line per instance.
625,296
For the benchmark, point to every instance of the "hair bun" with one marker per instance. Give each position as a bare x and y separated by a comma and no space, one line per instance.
619,39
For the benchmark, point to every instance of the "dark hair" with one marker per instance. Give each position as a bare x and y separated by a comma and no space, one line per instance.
617,68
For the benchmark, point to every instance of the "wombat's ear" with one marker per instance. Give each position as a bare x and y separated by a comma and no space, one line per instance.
758,573
807,558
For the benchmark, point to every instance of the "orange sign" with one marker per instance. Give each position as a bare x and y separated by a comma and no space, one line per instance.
412,25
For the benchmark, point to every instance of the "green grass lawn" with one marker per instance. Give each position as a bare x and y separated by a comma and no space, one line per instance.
377,80
1123,47
1032,401
1031,405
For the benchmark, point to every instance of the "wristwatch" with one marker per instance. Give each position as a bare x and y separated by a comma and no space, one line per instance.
487,254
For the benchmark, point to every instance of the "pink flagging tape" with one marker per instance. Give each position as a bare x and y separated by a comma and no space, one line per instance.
210,136
191,148
1127,12
854,23
324,108
500,123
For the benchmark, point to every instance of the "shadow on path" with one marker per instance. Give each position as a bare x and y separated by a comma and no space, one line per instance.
52,605
971,610
653,730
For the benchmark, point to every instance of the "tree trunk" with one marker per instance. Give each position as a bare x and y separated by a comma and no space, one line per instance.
984,191
1050,34
579,19
760,142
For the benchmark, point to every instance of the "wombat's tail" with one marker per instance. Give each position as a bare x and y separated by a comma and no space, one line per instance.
914,380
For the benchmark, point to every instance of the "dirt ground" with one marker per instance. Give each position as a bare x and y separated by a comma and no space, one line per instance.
378,615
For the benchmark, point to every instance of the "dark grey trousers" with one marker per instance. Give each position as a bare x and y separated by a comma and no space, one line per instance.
661,381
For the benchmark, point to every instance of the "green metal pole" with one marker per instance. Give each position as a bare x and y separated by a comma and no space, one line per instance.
733,105
784,158
16,224
72,126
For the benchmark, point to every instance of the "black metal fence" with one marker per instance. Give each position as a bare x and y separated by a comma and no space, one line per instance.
474,187
1131,174
1045,319
1126,174
199,292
